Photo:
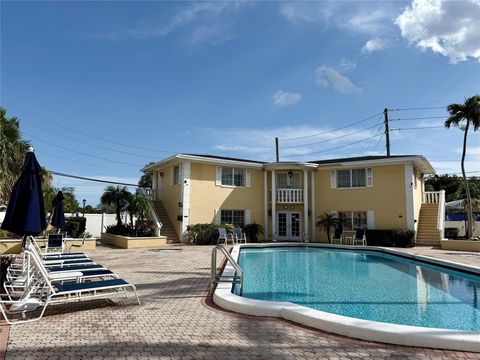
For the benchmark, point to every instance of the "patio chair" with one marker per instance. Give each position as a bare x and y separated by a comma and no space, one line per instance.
78,246
238,235
337,236
41,292
55,242
360,237
224,236
348,237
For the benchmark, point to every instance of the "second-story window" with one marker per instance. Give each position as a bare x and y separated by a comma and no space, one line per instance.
176,175
351,178
233,176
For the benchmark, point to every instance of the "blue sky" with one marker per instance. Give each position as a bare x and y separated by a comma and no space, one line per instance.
102,88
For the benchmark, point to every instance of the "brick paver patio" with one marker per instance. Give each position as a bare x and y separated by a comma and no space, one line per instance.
175,323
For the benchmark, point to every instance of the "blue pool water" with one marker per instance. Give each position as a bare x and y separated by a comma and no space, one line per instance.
363,284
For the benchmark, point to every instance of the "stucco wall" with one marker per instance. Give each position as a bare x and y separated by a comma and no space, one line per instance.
386,198
205,196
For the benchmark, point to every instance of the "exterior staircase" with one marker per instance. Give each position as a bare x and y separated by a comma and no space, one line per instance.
168,229
427,231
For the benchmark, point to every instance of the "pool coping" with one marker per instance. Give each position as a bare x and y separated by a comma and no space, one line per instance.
461,340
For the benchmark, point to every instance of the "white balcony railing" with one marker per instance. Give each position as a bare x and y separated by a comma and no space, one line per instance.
437,197
289,196
431,197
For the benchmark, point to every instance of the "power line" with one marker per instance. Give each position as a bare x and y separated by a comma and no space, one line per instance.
85,142
419,108
335,138
81,153
96,180
419,128
418,118
329,131
334,148
90,135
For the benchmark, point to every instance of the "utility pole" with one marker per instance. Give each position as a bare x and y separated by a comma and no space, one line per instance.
387,132
276,149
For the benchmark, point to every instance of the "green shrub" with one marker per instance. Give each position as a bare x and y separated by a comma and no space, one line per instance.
252,231
396,238
143,229
451,233
75,226
202,234
5,262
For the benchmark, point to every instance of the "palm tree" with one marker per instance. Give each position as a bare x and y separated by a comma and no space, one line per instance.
469,112
118,197
12,153
326,221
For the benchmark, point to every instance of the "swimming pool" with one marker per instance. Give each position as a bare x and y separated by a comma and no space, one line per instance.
365,292
365,285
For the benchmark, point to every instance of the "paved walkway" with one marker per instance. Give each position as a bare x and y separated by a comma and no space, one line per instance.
174,322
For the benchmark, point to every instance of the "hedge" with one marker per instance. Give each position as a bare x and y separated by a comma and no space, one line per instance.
75,226
203,234
395,238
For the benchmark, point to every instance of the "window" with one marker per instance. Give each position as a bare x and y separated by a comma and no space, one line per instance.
235,217
233,176
285,181
176,175
351,178
351,220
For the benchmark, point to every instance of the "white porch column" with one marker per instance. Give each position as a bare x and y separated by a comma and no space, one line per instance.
185,198
314,217
305,204
265,204
274,203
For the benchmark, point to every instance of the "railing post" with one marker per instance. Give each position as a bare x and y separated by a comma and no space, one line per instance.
441,213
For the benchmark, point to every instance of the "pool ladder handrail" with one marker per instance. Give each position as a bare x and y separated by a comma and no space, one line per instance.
217,277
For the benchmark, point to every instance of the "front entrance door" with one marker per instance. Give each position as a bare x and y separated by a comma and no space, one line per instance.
288,225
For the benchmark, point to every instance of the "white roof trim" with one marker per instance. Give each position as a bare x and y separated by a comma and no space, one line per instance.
203,159
419,160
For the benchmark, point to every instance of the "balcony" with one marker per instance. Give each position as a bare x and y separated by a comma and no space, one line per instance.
289,196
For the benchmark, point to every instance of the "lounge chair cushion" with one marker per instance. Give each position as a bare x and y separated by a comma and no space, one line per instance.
76,268
91,285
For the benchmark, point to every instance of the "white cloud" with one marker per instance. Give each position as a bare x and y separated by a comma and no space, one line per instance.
373,45
207,22
347,65
361,17
284,98
450,28
328,77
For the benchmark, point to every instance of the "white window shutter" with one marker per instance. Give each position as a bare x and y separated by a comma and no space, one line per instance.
218,178
217,217
248,178
369,177
333,179
172,174
370,220
247,217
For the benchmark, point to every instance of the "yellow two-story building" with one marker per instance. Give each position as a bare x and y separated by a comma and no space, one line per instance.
373,192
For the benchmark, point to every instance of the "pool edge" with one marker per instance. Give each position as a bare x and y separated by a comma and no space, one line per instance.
352,327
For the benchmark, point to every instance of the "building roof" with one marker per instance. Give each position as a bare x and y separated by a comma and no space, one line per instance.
361,158
227,158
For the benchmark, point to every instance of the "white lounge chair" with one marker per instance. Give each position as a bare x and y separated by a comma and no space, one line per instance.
224,236
238,235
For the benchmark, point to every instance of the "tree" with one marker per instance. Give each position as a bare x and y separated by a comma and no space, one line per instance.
70,203
146,179
326,221
116,196
468,112
12,153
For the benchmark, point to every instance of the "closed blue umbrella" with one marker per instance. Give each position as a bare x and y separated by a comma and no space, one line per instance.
58,217
26,212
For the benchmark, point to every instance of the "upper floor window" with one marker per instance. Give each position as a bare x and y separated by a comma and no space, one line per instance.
176,175
233,176
352,178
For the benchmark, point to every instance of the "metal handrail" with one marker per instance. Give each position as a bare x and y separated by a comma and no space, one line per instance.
156,219
217,278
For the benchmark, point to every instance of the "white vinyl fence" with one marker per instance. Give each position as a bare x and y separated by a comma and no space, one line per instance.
96,223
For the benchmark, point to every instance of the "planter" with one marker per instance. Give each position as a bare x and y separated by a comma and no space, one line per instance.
462,245
127,242
14,246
